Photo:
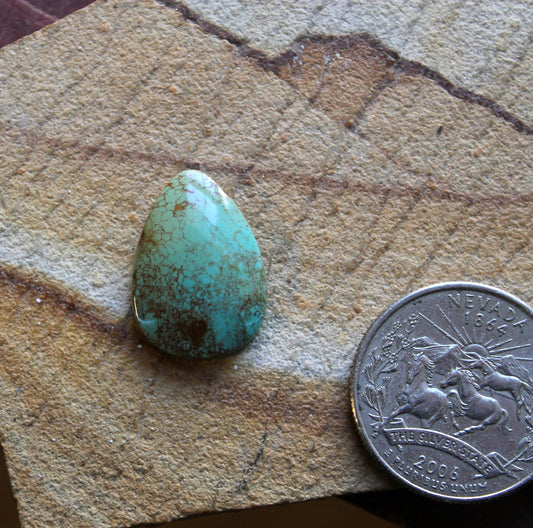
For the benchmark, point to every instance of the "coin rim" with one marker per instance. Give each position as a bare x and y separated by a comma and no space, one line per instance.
367,337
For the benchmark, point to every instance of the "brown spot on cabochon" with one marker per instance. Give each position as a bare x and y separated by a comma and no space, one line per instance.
179,207
196,331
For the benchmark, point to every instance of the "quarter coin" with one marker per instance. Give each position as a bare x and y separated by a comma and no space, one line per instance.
442,391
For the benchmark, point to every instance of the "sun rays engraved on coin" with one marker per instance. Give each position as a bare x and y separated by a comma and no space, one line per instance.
435,381
467,366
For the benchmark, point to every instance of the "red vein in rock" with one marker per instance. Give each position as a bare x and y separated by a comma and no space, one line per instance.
231,392
402,64
61,299
247,175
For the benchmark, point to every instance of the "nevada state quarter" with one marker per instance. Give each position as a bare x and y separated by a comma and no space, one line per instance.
443,391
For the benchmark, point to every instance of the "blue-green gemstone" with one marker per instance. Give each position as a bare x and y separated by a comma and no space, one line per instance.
199,288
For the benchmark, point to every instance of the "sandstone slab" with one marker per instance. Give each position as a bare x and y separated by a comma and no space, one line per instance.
354,201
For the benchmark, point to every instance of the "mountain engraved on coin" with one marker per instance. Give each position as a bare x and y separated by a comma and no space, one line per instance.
443,391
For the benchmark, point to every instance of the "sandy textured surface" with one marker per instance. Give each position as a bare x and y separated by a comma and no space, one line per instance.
363,176
483,46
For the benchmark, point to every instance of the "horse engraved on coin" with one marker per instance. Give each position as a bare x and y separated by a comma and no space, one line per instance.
443,391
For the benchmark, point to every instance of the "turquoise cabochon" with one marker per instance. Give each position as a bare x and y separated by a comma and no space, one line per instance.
199,287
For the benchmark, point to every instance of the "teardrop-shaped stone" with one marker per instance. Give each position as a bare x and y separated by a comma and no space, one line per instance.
199,288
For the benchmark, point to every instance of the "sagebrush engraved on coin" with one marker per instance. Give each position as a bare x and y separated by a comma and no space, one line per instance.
443,391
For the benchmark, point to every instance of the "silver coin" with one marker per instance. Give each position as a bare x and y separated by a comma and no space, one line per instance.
442,391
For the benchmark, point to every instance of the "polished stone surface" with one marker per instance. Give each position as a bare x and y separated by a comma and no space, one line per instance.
199,289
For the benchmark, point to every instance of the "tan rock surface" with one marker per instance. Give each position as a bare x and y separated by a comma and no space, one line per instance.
361,182
484,46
